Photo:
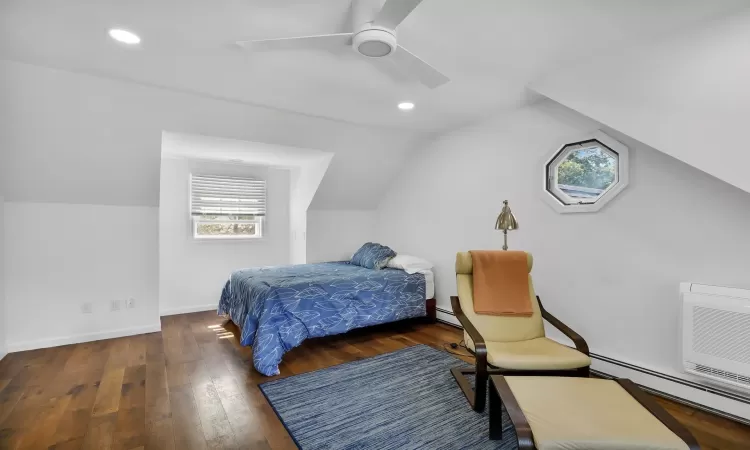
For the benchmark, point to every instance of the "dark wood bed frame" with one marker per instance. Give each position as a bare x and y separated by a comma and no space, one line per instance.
431,304
501,395
477,397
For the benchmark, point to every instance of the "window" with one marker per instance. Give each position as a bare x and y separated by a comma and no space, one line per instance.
225,207
582,176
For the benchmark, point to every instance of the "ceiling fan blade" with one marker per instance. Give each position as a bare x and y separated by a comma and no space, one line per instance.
388,67
319,42
394,12
425,73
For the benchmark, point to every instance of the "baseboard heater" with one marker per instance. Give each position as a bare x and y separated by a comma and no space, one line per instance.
702,387
710,389
445,311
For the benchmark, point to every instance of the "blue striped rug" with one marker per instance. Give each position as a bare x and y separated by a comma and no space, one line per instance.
407,399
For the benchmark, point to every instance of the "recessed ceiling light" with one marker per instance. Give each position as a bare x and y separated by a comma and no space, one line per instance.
124,36
405,106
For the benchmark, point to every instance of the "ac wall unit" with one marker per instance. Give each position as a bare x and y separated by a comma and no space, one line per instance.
716,333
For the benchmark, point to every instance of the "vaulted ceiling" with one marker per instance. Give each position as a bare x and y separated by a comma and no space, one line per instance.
86,128
489,48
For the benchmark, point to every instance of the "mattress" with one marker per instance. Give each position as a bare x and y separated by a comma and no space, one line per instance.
429,282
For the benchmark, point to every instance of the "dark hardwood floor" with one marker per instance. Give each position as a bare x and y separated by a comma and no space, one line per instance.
193,386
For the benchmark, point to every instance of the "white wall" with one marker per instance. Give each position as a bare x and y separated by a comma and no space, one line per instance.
297,234
307,168
3,326
612,275
193,272
335,235
59,256
305,182
687,96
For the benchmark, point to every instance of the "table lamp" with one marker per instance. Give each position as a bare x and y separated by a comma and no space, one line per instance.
506,221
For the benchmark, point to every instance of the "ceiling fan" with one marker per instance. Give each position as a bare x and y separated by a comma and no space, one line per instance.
374,36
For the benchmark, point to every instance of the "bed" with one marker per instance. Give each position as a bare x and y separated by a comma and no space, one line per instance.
276,308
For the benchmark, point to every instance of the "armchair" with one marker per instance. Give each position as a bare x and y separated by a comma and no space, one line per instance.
511,345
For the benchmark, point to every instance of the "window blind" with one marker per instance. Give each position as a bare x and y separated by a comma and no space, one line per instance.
212,195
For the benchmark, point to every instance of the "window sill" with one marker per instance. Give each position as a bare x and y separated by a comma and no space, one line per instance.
228,239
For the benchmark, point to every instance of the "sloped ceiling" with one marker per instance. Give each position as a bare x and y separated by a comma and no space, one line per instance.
81,139
489,48
687,96
81,117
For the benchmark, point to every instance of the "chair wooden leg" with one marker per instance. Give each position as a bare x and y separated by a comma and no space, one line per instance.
480,390
460,375
496,415
477,396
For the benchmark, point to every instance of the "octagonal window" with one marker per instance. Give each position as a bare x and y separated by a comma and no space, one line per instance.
583,175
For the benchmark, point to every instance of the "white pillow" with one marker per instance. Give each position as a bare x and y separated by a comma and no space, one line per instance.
409,264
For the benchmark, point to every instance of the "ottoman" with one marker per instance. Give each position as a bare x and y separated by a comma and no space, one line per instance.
567,413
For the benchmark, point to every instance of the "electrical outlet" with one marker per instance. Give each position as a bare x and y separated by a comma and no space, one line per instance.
87,308
131,303
115,306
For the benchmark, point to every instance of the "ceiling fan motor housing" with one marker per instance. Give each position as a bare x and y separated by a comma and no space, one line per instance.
374,42
373,35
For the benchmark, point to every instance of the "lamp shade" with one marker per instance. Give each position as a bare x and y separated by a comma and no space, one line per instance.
506,220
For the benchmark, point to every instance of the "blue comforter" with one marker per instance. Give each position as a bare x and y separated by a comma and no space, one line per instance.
279,307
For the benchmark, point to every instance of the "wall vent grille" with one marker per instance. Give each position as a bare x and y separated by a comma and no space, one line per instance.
712,372
722,334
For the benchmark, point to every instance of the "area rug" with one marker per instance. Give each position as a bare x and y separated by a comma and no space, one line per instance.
407,399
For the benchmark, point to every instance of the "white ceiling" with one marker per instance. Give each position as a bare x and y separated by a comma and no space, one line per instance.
491,49
76,138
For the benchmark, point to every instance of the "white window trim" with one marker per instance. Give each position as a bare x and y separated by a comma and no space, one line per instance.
554,182
621,176
226,237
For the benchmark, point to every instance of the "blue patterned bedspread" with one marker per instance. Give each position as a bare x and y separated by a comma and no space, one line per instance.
279,307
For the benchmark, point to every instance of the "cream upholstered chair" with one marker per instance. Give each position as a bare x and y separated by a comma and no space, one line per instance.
511,345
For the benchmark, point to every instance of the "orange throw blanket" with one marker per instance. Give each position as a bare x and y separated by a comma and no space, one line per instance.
501,283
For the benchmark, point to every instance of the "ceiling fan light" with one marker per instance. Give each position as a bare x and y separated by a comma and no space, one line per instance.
374,43
375,49
406,106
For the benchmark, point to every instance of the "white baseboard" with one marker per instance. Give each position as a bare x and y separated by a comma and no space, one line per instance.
189,309
446,317
85,337
662,384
